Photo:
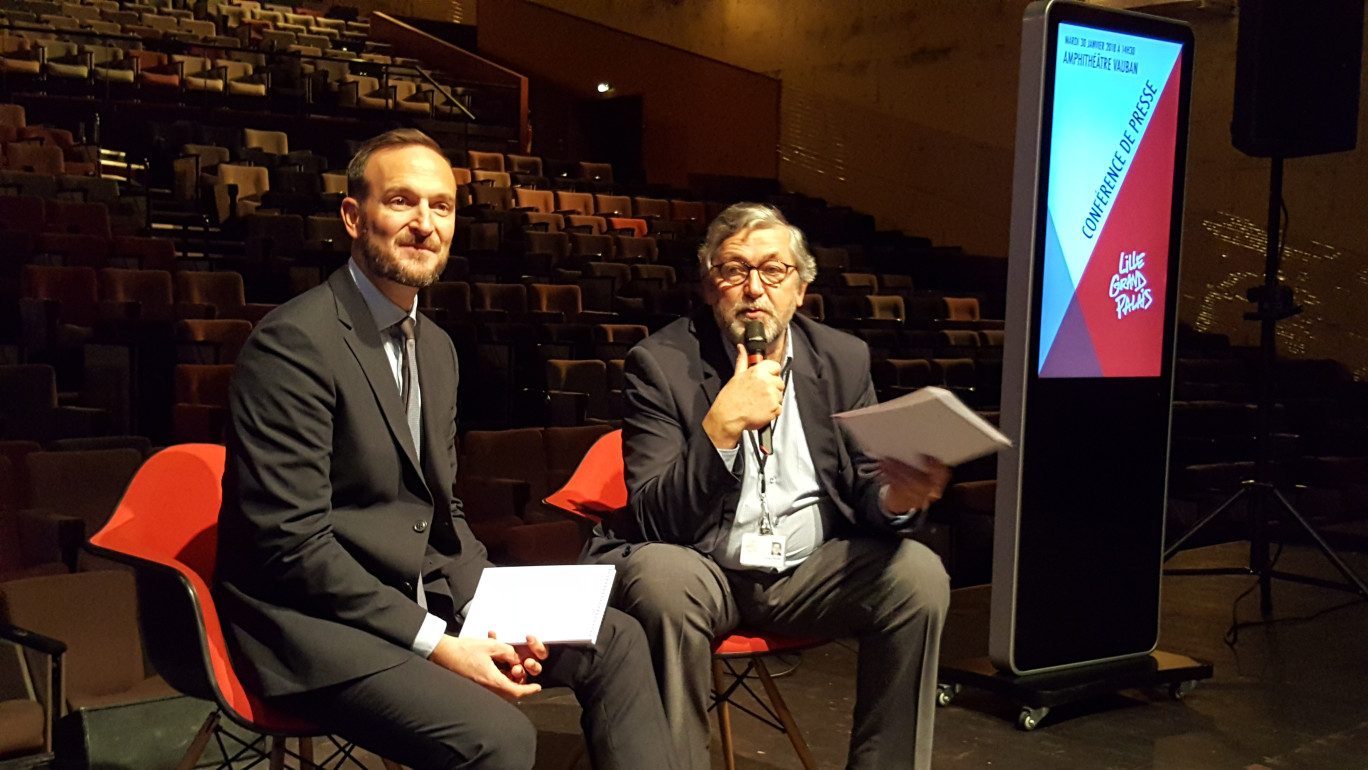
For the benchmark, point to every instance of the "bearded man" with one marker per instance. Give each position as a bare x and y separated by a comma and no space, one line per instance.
749,508
345,563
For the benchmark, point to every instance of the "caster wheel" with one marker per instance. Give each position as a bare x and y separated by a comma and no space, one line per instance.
1179,690
945,693
1030,718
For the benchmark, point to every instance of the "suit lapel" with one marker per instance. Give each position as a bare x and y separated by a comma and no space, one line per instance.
718,364
365,343
818,428
435,388
808,377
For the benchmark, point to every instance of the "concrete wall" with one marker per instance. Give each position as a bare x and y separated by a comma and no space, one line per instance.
700,115
905,109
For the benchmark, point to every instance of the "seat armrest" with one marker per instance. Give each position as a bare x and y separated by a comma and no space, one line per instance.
195,310
545,316
110,310
32,640
566,407
45,535
76,421
255,311
488,315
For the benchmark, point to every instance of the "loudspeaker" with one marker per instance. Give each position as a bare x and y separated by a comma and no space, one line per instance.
1297,77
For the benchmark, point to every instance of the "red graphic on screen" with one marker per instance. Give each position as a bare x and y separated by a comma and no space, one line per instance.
1130,260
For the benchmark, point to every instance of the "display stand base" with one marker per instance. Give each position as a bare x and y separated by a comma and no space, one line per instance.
1038,693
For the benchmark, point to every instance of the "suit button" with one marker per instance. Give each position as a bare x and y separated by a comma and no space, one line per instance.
420,527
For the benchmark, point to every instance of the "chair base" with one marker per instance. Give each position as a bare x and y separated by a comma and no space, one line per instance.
777,710
269,747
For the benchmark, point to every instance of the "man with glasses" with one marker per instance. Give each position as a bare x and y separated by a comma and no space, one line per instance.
749,508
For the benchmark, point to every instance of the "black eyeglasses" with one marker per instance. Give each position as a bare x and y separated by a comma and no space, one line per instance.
737,273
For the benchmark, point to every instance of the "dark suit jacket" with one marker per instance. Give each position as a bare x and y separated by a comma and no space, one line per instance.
679,490
328,516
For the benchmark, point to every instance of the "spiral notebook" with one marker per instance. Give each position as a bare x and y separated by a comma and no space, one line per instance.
558,604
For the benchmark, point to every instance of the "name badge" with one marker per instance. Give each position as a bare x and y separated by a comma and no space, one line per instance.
763,550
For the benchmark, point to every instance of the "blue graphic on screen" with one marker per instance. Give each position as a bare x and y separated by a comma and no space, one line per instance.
1108,203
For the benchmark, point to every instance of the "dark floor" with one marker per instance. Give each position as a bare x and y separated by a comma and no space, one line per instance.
1292,695
1289,696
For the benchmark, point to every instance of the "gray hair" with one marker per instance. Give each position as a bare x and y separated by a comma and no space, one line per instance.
400,137
745,217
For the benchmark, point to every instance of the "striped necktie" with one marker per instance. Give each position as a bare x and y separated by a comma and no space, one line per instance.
413,398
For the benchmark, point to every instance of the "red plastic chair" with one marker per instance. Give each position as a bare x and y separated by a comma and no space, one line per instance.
166,528
598,487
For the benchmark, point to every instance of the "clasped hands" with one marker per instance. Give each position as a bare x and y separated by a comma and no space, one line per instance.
502,668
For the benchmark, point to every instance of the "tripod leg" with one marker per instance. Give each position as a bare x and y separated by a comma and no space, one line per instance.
1258,546
1205,520
1325,548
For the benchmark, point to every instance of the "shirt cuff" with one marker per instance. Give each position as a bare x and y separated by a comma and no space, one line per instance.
429,634
729,456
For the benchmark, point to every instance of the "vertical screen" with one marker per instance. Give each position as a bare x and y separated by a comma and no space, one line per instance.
1091,309
1109,202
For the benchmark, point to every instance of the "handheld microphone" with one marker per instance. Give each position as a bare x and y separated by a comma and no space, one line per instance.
755,342
755,353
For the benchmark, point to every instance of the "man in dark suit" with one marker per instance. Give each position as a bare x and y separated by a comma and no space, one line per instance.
748,507
344,558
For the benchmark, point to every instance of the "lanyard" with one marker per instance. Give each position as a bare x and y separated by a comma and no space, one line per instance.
766,520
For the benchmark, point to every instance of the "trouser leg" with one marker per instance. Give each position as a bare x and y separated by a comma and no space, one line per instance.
892,595
623,720
682,601
423,716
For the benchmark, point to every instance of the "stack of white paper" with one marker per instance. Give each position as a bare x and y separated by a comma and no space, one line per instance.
558,604
929,422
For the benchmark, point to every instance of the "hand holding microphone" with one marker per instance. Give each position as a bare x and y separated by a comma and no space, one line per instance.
751,398
755,353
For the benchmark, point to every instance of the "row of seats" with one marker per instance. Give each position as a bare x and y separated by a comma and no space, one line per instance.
137,63
81,296
238,22
60,492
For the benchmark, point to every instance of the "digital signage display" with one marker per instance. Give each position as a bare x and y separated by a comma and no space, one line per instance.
1109,199
1091,316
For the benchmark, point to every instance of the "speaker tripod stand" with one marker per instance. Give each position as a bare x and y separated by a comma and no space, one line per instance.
1274,303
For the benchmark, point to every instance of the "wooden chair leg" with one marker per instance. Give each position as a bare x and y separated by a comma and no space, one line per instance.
723,715
785,718
277,753
306,753
206,731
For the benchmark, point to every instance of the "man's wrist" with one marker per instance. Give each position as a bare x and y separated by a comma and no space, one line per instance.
897,510
720,434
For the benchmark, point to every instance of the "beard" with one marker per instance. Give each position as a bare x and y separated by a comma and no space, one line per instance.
385,262
734,326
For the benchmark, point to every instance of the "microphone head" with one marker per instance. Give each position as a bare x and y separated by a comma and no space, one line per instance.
755,338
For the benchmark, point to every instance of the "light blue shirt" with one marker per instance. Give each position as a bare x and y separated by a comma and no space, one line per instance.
800,510
797,505
386,315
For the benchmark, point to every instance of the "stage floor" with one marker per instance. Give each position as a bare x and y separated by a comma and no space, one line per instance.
1292,695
